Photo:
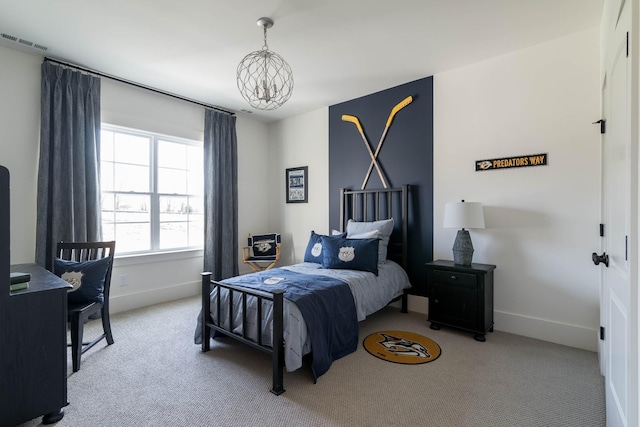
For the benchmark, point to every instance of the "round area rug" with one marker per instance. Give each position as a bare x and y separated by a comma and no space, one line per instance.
402,347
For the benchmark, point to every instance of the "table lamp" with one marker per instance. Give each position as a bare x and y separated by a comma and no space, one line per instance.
463,215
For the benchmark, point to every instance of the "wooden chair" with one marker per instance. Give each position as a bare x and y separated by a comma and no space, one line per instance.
262,251
79,313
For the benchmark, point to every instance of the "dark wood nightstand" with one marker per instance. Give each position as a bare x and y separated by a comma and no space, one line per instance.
461,296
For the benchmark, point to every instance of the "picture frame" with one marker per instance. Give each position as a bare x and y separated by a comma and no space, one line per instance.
296,184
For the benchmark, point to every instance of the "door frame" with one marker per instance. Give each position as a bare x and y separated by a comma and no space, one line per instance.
611,14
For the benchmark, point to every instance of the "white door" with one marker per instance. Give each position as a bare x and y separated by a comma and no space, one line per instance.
616,198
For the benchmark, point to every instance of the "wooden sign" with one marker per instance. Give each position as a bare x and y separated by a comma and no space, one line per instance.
512,162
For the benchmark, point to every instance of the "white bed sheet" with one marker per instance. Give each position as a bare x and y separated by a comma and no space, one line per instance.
370,293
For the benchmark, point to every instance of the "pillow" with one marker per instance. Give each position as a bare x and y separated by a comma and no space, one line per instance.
87,278
314,247
352,254
373,234
383,227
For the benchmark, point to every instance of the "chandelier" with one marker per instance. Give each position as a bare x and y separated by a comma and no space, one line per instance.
264,78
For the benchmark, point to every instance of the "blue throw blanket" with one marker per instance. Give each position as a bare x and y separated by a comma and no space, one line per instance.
327,307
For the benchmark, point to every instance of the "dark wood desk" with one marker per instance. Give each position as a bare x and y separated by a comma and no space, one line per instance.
33,359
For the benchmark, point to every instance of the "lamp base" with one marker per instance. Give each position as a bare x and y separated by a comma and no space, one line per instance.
462,248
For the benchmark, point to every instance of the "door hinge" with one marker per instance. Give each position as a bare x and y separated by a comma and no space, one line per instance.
626,248
602,333
602,124
601,230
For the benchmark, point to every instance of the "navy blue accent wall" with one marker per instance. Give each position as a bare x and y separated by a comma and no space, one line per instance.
406,157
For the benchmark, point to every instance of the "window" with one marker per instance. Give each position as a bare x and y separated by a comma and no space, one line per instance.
152,191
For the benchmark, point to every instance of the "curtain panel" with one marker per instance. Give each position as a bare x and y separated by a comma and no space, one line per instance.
220,195
68,195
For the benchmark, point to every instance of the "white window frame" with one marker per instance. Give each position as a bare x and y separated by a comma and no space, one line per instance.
153,193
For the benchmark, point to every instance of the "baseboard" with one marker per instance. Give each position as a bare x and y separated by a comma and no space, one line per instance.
547,330
153,296
542,329
532,327
418,304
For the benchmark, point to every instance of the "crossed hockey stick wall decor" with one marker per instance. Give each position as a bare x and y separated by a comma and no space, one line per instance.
374,156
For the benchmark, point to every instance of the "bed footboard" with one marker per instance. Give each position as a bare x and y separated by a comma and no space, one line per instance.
276,297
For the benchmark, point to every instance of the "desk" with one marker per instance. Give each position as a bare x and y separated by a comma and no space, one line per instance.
33,359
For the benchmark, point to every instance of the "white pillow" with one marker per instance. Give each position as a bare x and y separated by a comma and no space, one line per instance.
373,234
384,228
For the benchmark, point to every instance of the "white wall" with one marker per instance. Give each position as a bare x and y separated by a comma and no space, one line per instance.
254,181
19,145
300,141
151,278
542,221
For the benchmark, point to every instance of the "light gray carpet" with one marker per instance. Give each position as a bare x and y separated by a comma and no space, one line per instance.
155,376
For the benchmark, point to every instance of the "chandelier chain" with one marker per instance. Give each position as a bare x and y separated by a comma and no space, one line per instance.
265,46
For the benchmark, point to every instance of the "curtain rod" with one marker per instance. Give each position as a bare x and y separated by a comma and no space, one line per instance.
129,82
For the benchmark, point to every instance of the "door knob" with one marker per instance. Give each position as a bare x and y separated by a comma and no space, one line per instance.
597,259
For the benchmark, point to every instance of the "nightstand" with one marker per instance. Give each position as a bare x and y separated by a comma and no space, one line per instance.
461,296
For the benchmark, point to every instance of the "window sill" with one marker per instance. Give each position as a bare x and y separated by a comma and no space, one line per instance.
153,257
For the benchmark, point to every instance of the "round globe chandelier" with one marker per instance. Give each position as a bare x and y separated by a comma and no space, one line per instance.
264,78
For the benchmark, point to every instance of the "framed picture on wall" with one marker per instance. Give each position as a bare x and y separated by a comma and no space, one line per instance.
296,185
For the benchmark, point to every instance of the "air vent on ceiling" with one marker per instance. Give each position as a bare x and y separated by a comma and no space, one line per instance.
7,36
24,42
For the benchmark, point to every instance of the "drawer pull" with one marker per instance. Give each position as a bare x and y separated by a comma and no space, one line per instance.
454,278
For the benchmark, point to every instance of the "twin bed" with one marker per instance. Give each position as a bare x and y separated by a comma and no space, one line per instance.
315,306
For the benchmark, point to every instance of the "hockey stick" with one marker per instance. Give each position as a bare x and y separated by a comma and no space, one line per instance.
399,106
374,162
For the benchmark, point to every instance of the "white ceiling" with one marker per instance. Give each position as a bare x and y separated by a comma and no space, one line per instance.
338,49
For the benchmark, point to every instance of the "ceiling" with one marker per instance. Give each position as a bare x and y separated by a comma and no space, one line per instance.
338,49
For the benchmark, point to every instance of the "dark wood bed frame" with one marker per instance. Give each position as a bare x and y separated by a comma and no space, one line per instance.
359,205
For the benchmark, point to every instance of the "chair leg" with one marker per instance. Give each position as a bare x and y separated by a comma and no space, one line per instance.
76,342
254,267
106,325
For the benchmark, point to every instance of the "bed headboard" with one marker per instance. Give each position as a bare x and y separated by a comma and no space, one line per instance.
374,205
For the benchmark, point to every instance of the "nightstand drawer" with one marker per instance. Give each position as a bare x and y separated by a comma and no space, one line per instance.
455,278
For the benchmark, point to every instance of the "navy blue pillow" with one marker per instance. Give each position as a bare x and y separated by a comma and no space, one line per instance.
87,278
314,247
352,254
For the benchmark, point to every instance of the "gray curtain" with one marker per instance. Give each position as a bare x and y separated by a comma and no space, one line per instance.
220,195
69,168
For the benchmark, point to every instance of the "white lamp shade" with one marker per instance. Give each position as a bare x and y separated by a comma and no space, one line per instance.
463,215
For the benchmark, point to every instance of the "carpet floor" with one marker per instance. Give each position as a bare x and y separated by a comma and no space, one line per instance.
154,375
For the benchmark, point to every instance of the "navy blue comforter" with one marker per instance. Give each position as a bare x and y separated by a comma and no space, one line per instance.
327,307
